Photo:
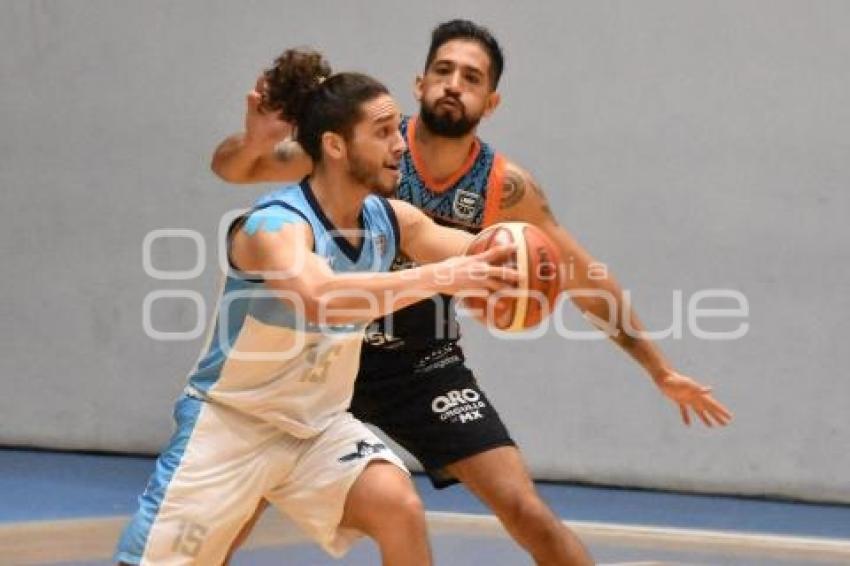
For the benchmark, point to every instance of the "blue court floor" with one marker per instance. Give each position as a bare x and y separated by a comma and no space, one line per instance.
51,486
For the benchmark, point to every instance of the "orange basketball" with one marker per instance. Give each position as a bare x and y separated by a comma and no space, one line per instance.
541,274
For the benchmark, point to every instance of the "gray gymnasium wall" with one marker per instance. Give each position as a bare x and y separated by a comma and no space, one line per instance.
691,145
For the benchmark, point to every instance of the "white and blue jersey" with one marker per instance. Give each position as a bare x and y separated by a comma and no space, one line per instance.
266,360
264,414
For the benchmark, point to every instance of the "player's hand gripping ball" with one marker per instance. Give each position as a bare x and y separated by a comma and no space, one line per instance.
541,276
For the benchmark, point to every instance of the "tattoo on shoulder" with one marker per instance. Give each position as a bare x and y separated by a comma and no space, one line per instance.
544,206
536,188
513,189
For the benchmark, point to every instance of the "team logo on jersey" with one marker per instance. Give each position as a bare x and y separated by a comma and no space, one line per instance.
381,244
363,449
465,204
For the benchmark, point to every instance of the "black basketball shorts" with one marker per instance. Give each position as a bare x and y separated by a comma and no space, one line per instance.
431,405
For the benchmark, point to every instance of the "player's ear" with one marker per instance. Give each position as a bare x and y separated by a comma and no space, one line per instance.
492,102
333,145
417,88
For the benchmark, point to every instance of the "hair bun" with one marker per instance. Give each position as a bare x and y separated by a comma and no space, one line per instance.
293,78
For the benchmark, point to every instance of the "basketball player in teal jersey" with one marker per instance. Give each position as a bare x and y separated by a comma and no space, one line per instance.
264,417
413,358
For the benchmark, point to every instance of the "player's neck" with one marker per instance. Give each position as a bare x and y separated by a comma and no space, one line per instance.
442,156
341,199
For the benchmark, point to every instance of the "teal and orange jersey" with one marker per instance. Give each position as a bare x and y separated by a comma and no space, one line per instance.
468,200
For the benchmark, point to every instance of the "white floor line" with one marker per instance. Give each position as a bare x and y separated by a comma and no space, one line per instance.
92,539
661,537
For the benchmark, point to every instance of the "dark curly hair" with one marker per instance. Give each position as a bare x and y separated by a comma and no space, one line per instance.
301,86
470,31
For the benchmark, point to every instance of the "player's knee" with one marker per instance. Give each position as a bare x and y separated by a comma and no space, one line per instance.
400,507
407,507
535,526
525,511
396,504
404,516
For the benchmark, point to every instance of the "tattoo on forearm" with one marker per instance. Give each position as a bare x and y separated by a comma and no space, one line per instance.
513,189
286,149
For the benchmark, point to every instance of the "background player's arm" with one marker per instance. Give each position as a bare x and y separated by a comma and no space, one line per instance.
240,160
523,200
425,241
282,255
262,153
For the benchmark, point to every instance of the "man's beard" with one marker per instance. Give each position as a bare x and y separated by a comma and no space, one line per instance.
367,175
446,126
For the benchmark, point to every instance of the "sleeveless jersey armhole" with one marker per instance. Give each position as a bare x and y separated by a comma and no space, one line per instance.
394,221
494,190
240,221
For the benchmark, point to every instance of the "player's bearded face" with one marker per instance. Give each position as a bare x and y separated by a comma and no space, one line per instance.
455,92
447,116
376,146
365,171
372,170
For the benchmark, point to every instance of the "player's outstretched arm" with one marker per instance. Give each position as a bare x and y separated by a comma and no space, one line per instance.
272,246
593,289
263,152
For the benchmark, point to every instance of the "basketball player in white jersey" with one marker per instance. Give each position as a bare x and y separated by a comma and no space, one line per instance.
264,417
